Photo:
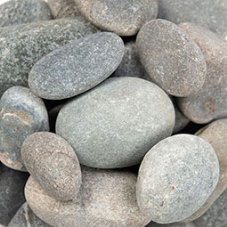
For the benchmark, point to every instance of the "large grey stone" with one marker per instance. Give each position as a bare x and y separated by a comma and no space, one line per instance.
176,177
115,124
76,67
171,58
21,114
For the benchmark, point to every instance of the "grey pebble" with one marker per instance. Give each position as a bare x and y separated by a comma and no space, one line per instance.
176,177
21,114
115,124
76,67
171,58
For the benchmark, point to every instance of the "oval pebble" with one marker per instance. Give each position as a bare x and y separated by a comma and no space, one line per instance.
78,63
115,124
122,17
176,177
21,114
171,58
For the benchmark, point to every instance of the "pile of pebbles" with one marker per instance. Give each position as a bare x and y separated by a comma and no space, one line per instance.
113,113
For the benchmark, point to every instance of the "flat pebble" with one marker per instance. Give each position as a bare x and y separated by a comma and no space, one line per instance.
122,17
115,124
78,63
52,162
21,114
171,58
176,177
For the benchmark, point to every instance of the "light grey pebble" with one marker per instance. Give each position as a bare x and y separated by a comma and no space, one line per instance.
21,47
21,114
176,177
115,124
76,67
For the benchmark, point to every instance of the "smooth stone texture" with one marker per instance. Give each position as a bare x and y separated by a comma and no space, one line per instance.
122,17
11,193
76,67
22,46
216,134
209,13
115,124
152,224
100,204
52,162
21,114
15,12
176,177
26,218
171,58
210,103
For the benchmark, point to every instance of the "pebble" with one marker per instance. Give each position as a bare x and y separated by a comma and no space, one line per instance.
125,18
171,58
21,47
209,103
100,204
22,113
15,12
103,49
52,162
176,177
115,124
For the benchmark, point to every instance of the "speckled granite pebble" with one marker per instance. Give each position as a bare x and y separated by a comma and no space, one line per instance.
78,63
115,124
171,58
176,177
21,114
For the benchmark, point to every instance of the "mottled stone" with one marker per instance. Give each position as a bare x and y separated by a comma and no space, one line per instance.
171,58
15,12
22,46
11,193
210,102
176,177
26,218
52,162
21,114
152,224
209,13
108,198
76,67
122,17
115,124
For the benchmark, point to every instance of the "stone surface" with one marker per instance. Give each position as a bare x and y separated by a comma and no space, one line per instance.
22,46
21,114
100,204
171,58
176,177
209,13
15,12
52,162
209,103
26,218
11,193
115,124
122,17
76,67
152,224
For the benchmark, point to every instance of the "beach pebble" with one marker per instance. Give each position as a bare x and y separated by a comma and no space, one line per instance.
52,162
122,17
78,63
23,45
115,124
171,58
21,114
176,177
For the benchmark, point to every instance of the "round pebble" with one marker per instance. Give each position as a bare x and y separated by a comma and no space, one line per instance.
78,63
171,58
115,124
176,177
